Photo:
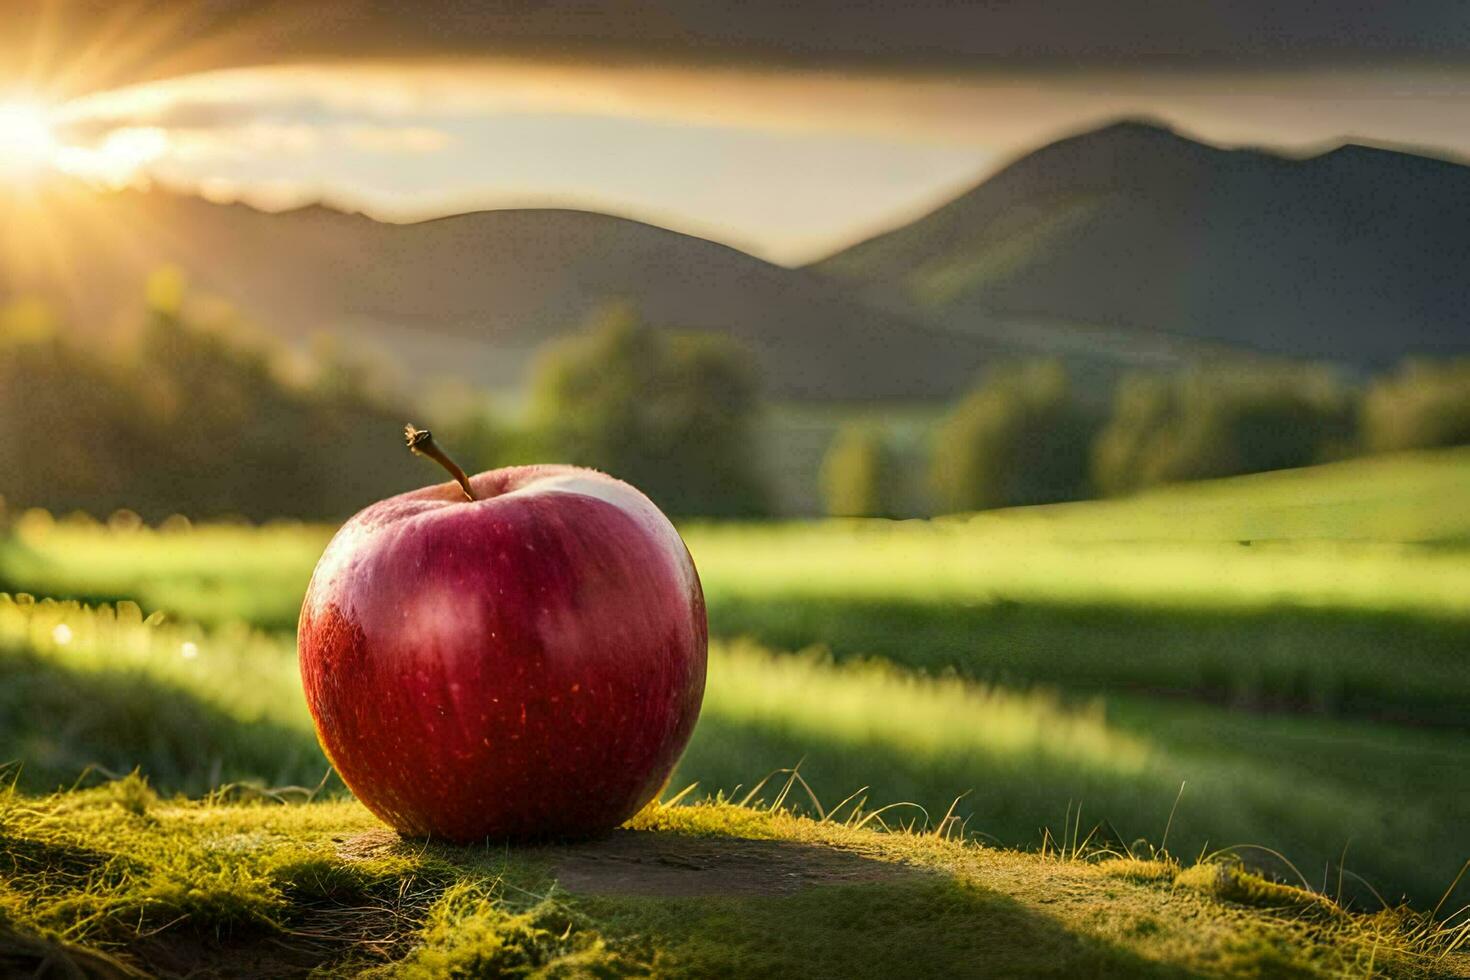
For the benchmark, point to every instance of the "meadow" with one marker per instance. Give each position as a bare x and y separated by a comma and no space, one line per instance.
1274,660
115,881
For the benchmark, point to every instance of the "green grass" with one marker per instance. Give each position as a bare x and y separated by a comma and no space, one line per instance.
1290,645
1307,787
212,574
1341,589
118,693
116,880
1361,630
1382,534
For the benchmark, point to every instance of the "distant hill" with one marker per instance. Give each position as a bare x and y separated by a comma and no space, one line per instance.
1123,247
472,296
1358,255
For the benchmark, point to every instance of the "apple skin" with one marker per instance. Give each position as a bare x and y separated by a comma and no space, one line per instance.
526,665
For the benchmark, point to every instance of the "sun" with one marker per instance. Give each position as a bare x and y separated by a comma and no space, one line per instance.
28,146
34,145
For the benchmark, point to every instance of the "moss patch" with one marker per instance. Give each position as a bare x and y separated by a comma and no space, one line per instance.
113,880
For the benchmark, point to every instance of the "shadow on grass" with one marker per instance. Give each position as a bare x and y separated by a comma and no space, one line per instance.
26,955
1389,666
727,906
1403,845
57,723
1306,787
913,927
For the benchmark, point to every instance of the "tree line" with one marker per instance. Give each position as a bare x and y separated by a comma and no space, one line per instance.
194,414
1024,434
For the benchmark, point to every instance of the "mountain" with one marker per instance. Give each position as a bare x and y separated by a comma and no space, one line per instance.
1356,255
474,295
1127,246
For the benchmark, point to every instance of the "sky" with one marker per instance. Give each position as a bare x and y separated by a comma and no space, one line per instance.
770,133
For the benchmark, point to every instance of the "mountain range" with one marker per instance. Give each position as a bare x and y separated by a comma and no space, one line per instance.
1357,255
474,295
1121,247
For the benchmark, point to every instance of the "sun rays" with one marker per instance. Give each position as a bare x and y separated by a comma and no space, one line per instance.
35,144
52,57
27,142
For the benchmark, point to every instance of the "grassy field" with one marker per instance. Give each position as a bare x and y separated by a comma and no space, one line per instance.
113,881
1289,648
1339,590
196,710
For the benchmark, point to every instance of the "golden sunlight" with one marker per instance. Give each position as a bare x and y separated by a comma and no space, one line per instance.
117,159
28,146
33,145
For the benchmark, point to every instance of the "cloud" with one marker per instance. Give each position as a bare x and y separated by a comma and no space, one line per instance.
396,139
242,113
97,44
396,107
484,130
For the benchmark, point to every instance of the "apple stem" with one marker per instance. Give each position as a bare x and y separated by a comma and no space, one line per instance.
421,443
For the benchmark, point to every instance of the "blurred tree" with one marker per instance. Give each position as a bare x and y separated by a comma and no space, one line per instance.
350,406
1221,421
1021,437
860,474
477,439
1421,405
671,413
194,418
219,419
52,397
165,290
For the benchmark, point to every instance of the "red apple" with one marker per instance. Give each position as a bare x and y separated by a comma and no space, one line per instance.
527,663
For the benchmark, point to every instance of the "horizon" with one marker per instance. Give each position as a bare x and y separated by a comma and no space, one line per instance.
788,165
788,134
271,199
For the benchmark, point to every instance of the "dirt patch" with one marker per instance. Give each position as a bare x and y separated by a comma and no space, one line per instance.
631,862
665,865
